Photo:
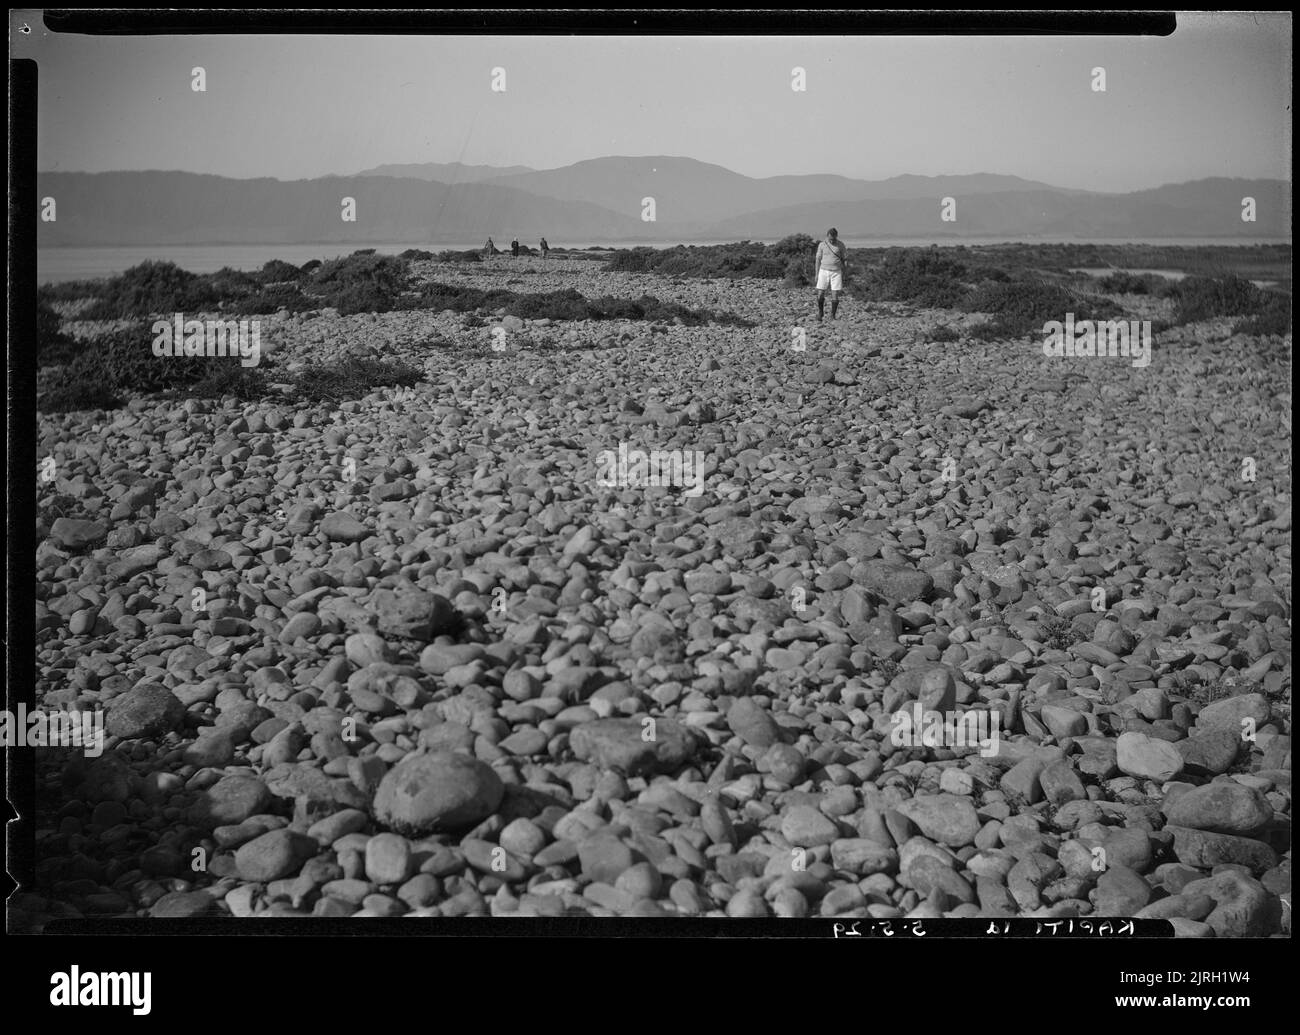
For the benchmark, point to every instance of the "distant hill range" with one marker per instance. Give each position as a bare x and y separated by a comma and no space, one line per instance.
601,200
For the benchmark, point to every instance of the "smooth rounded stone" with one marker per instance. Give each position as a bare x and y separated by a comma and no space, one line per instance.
715,818
1205,849
1191,928
327,830
305,780
1224,806
302,519
1188,907
147,710
519,685
785,763
213,749
747,903
956,781
1228,714
438,659
640,880
603,856
949,819
896,582
752,723
136,561
1024,779
526,741
75,533
1114,637
182,904
351,890
790,902
937,691
1243,907
1120,892
388,859
1148,758
1151,703
656,639
366,649
230,801
862,857
927,873
1063,722
636,746
1213,751
425,793
412,613
1128,846
275,854
966,407
305,625
1061,784
522,837
844,899
710,583
808,827
342,527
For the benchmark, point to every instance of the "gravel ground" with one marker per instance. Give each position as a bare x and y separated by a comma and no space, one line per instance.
442,670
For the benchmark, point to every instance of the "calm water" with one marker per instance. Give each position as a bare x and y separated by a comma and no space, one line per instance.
57,264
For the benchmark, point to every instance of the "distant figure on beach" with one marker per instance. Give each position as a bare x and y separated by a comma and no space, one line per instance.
832,265
545,247
514,248
489,249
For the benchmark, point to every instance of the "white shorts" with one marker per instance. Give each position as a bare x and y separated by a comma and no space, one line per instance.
834,279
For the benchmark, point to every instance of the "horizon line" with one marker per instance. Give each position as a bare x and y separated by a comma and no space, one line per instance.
757,179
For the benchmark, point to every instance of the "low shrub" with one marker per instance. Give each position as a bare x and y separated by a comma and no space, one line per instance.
1203,298
352,378
53,347
273,299
278,272
1273,318
149,289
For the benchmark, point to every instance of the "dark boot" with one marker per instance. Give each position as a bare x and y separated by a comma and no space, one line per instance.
821,307
835,306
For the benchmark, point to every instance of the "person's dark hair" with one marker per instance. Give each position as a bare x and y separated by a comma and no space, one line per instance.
832,232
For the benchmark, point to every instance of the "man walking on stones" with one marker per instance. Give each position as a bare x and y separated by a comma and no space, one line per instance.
514,248
545,247
832,266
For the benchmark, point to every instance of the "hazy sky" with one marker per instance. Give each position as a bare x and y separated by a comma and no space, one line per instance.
1211,100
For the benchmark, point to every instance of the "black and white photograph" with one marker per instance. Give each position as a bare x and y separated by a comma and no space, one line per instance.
830,480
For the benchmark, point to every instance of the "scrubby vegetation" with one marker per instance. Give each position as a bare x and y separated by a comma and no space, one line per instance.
1123,283
352,378
277,272
1274,317
153,288
123,362
1022,305
568,304
1204,298
52,345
